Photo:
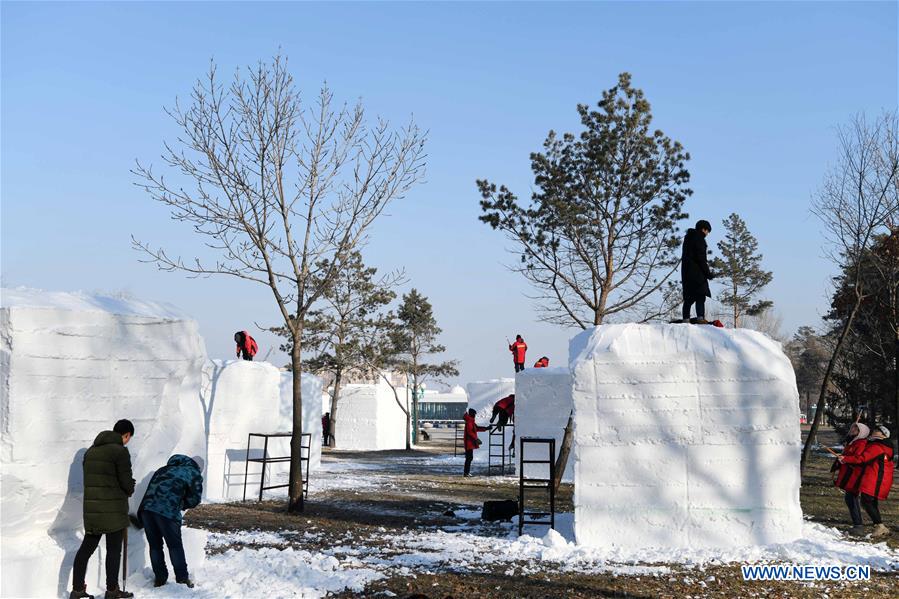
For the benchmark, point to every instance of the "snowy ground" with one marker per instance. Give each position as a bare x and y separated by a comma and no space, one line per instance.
314,562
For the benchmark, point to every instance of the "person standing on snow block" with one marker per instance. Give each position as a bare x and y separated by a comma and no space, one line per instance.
246,345
175,487
876,461
471,438
848,477
505,410
695,272
518,349
108,484
542,363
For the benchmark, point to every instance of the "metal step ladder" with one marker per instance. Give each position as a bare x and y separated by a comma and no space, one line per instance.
536,473
499,457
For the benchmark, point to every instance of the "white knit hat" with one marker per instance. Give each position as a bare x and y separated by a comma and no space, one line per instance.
883,429
863,431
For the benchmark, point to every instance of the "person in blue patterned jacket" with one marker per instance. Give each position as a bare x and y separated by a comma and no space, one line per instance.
175,487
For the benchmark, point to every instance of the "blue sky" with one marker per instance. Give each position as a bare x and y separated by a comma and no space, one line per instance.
752,90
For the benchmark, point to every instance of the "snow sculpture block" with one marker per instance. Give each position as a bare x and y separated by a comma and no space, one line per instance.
542,405
242,397
685,436
483,394
369,418
70,366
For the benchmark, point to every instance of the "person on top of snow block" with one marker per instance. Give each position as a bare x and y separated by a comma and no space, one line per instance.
246,345
695,272
505,410
518,349
542,362
108,483
848,477
175,487
471,438
876,476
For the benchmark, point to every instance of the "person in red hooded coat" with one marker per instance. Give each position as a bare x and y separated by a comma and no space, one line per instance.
877,475
518,349
246,345
848,476
542,362
471,438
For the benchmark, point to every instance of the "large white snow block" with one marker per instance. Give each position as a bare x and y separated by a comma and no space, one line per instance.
369,419
542,405
70,366
685,437
239,397
483,394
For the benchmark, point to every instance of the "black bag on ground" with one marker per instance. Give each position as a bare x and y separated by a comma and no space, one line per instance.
499,510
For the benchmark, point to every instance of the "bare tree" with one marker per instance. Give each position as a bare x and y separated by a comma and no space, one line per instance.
279,191
856,203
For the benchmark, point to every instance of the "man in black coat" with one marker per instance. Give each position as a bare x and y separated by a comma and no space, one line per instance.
108,484
694,271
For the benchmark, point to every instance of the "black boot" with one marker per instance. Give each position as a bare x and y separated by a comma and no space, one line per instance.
186,582
116,593
80,594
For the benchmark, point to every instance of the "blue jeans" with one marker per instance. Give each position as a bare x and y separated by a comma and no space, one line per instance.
158,528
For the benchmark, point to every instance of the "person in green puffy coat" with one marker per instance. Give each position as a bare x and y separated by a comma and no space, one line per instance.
108,483
175,487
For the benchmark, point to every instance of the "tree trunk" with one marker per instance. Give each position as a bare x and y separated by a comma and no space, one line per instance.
415,407
295,490
819,410
332,426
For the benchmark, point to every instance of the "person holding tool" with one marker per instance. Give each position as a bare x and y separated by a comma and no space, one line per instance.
518,349
848,477
108,484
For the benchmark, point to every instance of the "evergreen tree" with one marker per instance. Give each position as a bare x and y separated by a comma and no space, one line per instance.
865,378
740,270
353,307
414,339
598,237
808,352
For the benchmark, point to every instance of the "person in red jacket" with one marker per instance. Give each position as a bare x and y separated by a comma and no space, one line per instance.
848,477
246,345
471,438
877,475
518,349
505,410
542,362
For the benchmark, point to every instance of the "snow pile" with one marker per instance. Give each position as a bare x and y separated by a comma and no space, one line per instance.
275,564
542,405
70,366
685,436
370,418
262,572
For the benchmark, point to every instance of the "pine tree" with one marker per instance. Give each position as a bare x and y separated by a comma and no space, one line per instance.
414,339
598,235
740,270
